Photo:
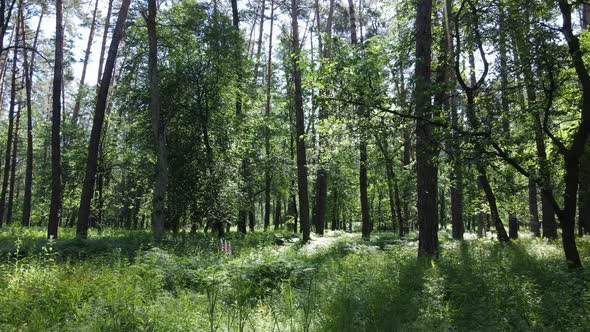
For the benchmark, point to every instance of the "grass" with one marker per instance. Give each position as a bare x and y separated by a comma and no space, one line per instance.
122,281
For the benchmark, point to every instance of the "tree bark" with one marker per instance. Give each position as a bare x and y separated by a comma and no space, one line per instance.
158,126
363,158
470,91
572,156
10,137
535,225
105,34
426,151
10,206
55,208
29,69
260,34
300,126
76,110
267,109
101,103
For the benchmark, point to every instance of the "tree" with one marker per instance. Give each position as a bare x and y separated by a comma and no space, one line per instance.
426,150
9,141
101,103
55,208
159,127
76,110
299,126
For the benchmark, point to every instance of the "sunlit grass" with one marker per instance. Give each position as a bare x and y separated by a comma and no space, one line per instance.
124,282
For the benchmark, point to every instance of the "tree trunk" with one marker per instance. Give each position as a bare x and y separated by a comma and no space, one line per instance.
535,225
105,34
55,208
322,175
29,68
267,108
363,182
10,206
426,151
101,103
260,35
9,144
76,111
158,126
300,127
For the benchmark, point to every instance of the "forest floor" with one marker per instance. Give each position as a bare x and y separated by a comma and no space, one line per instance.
122,281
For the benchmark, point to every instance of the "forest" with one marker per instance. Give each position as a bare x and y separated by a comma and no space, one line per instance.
294,165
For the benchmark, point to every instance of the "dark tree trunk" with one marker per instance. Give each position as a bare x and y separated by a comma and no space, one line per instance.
513,226
267,109
158,126
55,208
76,110
9,144
572,156
107,24
29,68
260,34
426,151
474,121
363,160
278,217
322,174
535,225
101,103
300,127
10,206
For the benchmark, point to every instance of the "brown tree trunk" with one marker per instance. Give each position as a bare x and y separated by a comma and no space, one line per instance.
29,69
10,206
105,34
260,35
267,109
322,175
300,127
10,137
158,126
572,156
55,208
101,103
76,110
535,225
363,160
426,151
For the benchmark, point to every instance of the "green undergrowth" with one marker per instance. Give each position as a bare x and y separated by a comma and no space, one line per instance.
123,281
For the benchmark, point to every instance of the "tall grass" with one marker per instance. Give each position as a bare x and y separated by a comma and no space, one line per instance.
122,281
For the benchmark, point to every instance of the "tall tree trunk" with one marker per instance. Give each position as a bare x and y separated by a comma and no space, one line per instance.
159,127
426,151
535,225
76,111
300,126
10,206
101,103
105,35
526,58
512,220
55,208
268,166
10,137
470,91
260,35
363,160
4,21
29,69
572,156
322,175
